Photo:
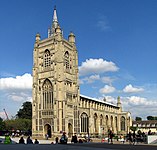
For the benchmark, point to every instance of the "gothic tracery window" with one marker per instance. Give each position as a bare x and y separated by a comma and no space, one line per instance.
47,59
122,123
47,91
67,61
84,122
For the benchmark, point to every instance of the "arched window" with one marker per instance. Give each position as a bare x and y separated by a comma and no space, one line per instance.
47,91
95,122
47,59
84,122
116,123
112,122
107,123
66,60
122,123
101,120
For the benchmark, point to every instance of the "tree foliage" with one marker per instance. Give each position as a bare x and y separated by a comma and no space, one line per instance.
151,118
26,111
18,124
133,128
138,119
2,124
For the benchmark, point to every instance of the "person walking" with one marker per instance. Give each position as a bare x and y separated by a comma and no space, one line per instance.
130,138
110,136
56,140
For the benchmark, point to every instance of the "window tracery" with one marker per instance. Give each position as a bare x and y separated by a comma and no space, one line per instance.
84,122
47,59
47,91
67,61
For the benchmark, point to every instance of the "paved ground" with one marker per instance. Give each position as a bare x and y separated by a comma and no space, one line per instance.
46,145
107,146
90,146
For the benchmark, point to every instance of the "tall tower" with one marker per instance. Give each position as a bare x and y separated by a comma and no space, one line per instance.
55,83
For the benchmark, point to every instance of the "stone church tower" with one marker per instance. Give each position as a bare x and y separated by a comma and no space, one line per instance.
55,83
57,104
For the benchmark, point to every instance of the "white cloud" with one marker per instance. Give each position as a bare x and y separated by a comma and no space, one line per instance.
18,89
107,80
19,82
89,79
20,96
92,66
136,100
138,106
110,99
81,81
103,23
130,89
107,89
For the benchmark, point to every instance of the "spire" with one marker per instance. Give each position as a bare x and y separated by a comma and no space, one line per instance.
55,15
55,23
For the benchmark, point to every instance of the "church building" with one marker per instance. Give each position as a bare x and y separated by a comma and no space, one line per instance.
57,103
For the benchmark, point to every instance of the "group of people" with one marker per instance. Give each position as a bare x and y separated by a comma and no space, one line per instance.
28,141
134,138
64,138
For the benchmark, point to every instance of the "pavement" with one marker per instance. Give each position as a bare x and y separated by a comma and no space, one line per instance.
46,145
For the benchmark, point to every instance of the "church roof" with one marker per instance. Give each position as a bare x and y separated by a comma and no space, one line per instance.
98,100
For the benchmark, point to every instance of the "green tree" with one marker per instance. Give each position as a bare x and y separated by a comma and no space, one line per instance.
138,119
2,124
18,124
133,128
150,118
26,111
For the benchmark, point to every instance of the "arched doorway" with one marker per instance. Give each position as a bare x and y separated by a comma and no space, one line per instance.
47,130
70,129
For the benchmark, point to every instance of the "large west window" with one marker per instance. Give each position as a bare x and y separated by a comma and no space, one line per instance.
47,91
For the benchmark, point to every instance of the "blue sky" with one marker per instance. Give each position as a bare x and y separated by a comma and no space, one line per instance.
116,42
